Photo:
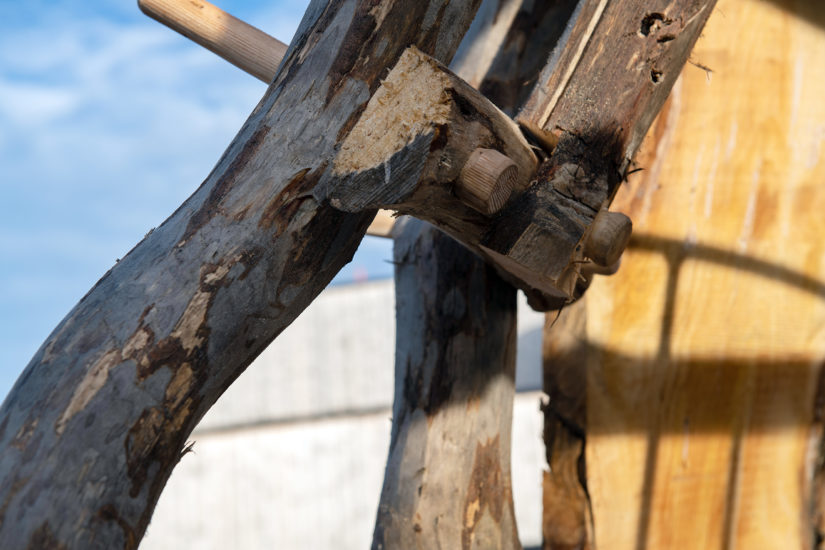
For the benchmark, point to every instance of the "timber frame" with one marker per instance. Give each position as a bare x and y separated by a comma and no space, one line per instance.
97,421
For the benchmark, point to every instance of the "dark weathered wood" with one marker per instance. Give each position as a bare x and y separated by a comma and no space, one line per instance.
95,424
534,31
566,517
612,73
447,483
592,104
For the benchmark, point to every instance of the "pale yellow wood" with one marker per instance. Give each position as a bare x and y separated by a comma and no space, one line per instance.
706,346
382,225
241,44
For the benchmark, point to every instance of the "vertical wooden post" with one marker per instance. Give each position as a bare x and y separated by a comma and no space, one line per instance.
447,483
704,353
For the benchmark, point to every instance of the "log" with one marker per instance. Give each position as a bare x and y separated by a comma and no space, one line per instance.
421,505
447,482
705,351
92,429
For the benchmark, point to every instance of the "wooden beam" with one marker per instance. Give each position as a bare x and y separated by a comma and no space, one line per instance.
92,429
447,482
704,355
461,389
606,80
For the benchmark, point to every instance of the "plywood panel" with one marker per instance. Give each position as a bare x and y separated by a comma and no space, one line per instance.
705,348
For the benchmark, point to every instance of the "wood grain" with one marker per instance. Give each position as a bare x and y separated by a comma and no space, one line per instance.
447,482
246,47
706,349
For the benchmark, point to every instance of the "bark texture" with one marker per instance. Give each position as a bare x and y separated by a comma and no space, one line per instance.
95,424
447,483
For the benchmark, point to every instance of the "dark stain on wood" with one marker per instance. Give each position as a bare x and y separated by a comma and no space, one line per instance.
440,137
16,484
487,490
43,538
24,435
816,504
108,513
351,121
281,209
211,207
250,259
359,38
167,352
567,518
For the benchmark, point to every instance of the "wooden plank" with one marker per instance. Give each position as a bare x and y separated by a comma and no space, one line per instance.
703,420
98,419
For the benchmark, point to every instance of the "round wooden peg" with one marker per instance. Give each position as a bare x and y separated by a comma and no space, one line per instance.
486,180
609,235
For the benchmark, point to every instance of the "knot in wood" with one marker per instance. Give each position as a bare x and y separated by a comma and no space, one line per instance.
487,180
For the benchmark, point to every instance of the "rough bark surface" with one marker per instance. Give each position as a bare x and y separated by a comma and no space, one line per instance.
603,84
95,424
447,483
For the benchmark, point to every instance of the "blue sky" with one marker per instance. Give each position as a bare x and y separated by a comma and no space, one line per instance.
108,121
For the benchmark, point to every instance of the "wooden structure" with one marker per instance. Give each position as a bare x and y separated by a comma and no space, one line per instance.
696,371
362,114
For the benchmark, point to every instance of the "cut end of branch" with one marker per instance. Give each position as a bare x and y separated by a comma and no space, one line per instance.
487,180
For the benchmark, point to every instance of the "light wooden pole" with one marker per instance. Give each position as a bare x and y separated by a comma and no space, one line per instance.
243,45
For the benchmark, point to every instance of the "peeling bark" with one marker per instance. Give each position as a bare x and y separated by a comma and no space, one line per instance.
447,483
98,419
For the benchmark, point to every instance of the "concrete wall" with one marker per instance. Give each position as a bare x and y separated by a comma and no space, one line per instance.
292,456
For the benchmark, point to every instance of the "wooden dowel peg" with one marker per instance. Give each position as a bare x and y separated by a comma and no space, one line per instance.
486,181
241,44
608,237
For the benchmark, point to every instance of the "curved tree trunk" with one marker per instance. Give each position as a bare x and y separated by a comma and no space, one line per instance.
447,483
93,427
